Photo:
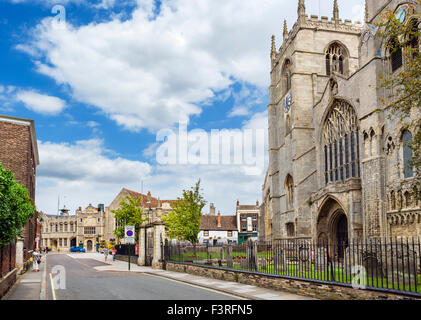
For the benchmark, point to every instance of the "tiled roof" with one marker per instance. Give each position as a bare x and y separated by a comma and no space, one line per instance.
248,207
228,223
154,201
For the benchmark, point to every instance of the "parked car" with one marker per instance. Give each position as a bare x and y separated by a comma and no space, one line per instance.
77,249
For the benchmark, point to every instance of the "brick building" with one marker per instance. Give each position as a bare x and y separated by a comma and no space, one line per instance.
247,221
19,153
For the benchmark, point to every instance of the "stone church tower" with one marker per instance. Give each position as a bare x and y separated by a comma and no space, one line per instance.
338,164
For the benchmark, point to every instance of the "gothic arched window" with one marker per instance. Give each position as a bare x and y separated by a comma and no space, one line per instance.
413,41
286,77
289,187
336,59
407,154
341,143
395,51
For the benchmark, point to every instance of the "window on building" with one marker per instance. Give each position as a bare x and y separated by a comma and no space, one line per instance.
230,234
290,229
254,227
89,230
395,52
407,154
407,199
56,227
61,227
65,242
341,143
413,41
254,216
65,227
244,228
206,233
286,77
243,217
60,242
289,187
336,59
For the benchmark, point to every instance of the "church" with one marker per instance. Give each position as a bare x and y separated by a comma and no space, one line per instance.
339,163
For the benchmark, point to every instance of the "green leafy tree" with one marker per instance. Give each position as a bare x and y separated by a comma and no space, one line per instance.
15,207
183,222
403,87
130,214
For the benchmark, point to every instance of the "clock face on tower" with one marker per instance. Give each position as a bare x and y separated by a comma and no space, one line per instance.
287,102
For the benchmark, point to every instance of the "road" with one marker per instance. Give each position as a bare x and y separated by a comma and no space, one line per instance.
83,282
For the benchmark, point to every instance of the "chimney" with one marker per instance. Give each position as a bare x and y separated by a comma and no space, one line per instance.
257,203
149,197
211,209
219,220
238,203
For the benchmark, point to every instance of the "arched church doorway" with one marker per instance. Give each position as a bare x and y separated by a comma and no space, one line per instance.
332,228
89,245
73,242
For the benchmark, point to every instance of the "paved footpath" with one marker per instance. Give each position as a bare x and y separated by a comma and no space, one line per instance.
30,285
234,288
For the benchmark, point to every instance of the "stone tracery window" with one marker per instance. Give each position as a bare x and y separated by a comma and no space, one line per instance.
341,143
286,77
336,59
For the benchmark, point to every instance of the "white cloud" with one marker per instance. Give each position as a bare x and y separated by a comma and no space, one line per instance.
84,173
40,103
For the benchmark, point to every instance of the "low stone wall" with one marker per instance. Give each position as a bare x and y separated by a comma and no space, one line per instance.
133,259
306,288
7,282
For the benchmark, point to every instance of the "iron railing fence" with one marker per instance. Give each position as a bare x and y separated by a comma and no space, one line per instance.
386,264
123,250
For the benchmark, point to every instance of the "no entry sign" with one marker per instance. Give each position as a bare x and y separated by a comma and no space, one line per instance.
129,234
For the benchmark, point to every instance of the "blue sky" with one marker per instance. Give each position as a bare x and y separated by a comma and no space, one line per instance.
101,85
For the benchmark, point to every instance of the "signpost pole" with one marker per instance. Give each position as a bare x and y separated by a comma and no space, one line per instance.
129,255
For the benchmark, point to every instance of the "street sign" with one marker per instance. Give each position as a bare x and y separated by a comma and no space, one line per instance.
129,234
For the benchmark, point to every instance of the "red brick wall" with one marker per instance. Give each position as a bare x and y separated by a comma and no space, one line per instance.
17,155
7,259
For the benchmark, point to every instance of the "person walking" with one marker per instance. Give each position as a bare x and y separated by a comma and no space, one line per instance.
36,260
114,252
106,254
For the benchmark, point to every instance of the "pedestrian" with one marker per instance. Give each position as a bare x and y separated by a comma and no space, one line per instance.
106,254
36,260
114,251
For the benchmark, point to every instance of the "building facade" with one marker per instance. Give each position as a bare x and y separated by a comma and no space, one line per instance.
247,221
218,229
338,163
87,228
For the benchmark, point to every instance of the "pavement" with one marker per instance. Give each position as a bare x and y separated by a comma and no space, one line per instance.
30,285
233,288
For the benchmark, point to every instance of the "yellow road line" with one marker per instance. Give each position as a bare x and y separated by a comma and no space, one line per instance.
52,287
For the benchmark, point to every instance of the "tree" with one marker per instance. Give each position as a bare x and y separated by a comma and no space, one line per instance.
183,222
15,207
403,86
130,214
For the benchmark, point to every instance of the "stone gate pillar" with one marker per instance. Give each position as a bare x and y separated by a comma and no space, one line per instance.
19,255
141,260
159,233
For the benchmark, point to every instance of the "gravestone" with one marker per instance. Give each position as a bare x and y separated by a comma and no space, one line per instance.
264,264
279,259
320,259
221,253
402,265
251,255
244,264
230,262
304,255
